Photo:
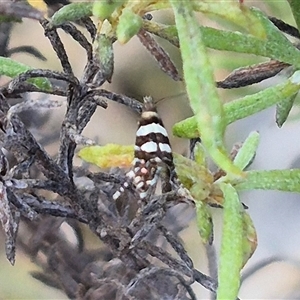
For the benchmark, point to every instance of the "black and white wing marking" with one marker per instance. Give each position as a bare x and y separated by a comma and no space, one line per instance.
152,150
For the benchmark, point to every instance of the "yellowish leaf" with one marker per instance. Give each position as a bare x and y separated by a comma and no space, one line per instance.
108,156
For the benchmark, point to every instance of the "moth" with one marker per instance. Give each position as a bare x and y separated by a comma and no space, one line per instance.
152,151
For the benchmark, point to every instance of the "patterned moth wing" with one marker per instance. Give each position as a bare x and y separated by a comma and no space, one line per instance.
152,150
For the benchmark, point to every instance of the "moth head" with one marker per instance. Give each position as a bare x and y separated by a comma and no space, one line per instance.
149,110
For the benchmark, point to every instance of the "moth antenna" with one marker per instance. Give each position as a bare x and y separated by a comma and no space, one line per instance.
179,95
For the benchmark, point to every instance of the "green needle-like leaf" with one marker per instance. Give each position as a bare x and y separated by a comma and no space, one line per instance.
280,180
72,12
233,12
249,237
104,47
200,86
204,222
270,43
12,68
295,7
128,26
283,109
246,106
104,8
247,151
231,257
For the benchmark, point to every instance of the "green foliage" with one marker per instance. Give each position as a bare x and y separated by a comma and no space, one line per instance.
246,106
104,46
247,151
200,86
104,9
231,257
111,155
129,25
72,12
12,68
281,180
295,7
283,109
